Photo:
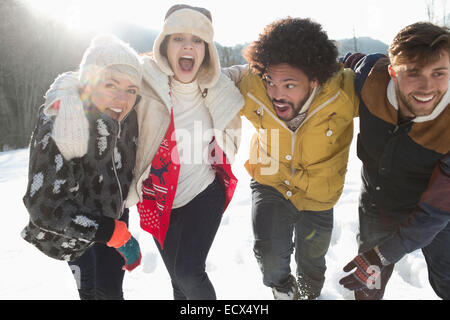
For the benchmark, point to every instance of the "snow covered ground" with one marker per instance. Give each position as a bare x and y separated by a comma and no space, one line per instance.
28,274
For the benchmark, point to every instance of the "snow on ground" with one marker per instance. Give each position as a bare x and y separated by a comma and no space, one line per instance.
28,274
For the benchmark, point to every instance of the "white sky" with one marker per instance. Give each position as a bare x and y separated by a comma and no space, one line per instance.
240,21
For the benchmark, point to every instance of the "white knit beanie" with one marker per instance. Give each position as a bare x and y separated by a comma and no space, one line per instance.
191,20
107,50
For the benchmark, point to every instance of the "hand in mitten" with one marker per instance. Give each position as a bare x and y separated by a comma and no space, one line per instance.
71,127
131,253
368,269
126,245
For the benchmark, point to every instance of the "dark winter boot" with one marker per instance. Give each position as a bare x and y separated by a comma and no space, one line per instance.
288,291
305,291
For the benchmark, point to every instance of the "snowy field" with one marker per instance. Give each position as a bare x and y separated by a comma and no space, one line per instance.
28,274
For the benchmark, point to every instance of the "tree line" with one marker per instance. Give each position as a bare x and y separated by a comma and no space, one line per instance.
33,52
35,49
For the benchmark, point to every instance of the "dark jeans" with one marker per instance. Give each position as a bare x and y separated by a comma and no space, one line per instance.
190,235
98,272
275,221
376,225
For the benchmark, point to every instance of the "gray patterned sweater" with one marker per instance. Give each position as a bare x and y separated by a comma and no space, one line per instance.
73,203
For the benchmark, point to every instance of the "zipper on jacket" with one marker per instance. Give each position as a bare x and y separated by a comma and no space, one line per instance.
294,133
120,130
122,203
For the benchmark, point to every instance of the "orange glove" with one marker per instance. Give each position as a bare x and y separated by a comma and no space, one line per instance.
120,235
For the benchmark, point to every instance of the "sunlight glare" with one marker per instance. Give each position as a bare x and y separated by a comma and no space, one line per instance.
80,15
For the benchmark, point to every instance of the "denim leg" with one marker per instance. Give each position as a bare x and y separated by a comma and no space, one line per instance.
99,273
273,227
375,225
189,237
437,256
109,273
312,240
83,270
168,254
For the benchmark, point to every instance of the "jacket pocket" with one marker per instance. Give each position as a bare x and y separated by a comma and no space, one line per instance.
326,180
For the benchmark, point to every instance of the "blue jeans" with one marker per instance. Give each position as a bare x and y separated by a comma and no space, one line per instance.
376,225
191,232
98,272
275,222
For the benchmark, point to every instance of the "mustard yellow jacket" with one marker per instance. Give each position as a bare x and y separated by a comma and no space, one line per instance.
307,166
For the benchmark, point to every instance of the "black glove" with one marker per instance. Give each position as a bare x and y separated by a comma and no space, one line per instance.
368,270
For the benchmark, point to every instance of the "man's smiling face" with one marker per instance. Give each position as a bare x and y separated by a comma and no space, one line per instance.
419,89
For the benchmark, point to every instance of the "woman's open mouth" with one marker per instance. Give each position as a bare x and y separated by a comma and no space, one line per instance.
114,113
186,63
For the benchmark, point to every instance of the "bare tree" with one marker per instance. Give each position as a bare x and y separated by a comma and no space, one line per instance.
33,50
430,10
230,56
355,41
444,12
437,14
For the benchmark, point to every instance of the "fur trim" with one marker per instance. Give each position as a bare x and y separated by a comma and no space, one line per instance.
157,79
196,23
225,102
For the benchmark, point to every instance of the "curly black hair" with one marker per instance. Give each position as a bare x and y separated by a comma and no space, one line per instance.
300,43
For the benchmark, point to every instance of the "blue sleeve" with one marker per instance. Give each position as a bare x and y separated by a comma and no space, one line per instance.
362,69
431,215
345,58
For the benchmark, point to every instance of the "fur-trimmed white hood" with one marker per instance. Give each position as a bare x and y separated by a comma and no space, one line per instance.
190,21
224,103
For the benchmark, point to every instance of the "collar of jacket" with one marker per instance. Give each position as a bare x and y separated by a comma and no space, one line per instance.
92,113
224,101
295,122
392,97
157,79
330,87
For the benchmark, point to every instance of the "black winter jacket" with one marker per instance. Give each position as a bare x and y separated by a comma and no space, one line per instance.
406,166
73,203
